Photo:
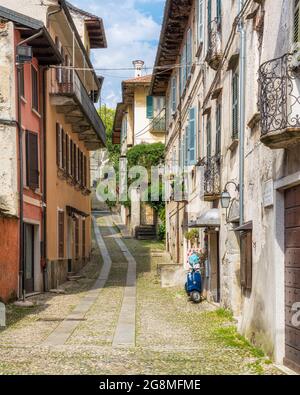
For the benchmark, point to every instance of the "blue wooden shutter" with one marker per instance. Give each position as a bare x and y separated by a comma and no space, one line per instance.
235,105
189,57
218,129
174,94
186,146
219,12
208,138
192,137
149,107
200,21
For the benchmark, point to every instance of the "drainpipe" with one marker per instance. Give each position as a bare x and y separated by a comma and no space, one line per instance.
44,209
242,67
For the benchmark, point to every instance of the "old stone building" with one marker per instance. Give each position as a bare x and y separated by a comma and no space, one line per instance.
72,128
233,110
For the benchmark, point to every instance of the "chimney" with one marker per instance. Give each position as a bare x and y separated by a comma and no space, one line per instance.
138,67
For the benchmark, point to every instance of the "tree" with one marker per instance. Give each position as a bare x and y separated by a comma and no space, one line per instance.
107,115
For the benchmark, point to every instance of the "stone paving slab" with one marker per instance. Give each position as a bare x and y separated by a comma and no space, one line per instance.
125,329
64,330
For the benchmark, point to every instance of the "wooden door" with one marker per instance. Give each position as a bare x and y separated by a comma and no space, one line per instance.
292,277
29,257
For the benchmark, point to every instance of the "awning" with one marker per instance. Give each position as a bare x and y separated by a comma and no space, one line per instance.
244,227
71,211
209,219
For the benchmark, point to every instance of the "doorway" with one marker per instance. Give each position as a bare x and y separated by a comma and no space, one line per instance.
29,255
292,276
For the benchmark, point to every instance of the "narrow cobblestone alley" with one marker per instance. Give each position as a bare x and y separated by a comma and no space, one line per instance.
102,324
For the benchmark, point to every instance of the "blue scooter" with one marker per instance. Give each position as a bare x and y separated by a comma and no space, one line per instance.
193,286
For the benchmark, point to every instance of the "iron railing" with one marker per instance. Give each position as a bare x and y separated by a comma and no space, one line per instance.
214,50
71,85
212,176
158,124
279,96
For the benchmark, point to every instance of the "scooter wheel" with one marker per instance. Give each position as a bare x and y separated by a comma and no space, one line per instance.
196,297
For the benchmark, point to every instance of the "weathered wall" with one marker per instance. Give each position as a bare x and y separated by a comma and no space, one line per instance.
8,134
9,258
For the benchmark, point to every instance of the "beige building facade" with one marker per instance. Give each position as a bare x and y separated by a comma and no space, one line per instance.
139,119
233,110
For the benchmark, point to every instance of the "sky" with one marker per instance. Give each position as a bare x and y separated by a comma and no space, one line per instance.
132,30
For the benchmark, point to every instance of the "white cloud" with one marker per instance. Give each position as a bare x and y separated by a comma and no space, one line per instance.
131,34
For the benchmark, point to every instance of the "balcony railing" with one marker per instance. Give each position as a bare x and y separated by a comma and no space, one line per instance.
158,124
280,102
214,51
71,87
212,179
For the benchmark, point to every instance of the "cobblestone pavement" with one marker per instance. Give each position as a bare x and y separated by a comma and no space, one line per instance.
172,335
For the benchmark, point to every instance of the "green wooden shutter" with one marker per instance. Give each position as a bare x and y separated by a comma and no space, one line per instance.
297,22
192,137
235,106
149,107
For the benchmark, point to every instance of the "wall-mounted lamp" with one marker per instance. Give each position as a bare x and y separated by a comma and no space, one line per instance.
225,195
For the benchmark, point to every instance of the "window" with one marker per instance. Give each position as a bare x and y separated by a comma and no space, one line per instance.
246,260
208,138
174,101
59,152
192,137
22,82
68,159
183,69
235,105
61,234
218,127
200,21
124,127
149,107
209,20
297,22
35,89
85,171
63,150
32,160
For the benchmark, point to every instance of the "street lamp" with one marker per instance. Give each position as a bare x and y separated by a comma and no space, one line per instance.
225,195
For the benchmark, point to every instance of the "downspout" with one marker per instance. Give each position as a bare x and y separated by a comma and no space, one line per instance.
242,67
44,200
21,166
21,190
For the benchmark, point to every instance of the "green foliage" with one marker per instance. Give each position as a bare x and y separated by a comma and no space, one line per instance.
146,155
162,232
192,235
107,115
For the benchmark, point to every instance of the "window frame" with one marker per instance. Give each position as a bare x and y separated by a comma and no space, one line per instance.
29,161
34,89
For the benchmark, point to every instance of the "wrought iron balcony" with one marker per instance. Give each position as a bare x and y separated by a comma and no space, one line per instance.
158,124
279,81
70,97
212,178
214,51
